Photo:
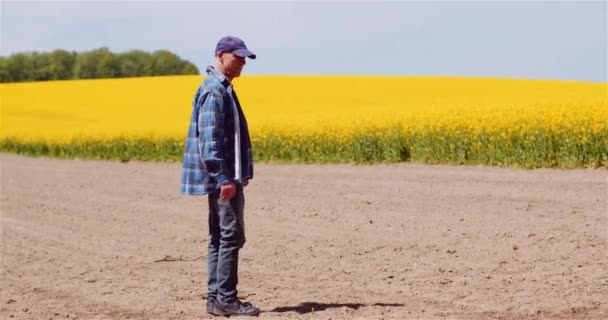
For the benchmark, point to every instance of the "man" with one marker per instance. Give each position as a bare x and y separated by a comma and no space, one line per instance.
218,162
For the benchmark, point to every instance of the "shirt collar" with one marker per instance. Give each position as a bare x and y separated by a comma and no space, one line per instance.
219,76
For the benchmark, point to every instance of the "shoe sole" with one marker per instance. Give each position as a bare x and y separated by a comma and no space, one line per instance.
214,312
220,312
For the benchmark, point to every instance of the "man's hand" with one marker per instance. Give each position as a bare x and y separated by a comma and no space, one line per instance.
227,191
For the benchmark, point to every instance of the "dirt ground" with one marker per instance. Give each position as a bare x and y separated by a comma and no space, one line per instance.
111,240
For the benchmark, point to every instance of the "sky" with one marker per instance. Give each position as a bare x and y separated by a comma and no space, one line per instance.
563,40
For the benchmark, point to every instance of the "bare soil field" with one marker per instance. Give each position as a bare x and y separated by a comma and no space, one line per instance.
110,240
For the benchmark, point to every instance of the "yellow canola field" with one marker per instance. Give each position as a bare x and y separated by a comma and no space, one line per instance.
161,105
343,104
293,107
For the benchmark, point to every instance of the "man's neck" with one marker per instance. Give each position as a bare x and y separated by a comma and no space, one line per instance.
219,68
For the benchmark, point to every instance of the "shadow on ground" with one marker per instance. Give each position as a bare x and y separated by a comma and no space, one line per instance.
308,307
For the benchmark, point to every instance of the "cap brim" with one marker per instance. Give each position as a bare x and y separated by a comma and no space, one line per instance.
244,53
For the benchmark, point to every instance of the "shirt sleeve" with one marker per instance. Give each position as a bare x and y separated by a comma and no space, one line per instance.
211,118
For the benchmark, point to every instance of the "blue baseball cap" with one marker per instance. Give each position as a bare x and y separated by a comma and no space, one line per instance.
234,45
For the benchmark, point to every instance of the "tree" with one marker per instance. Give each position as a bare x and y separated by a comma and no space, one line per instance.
86,66
133,63
41,63
62,64
163,63
98,63
4,69
108,65
189,68
19,68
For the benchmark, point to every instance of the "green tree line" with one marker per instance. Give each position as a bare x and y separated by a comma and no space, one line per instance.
94,64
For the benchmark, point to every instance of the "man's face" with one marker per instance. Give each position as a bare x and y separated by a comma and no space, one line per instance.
232,64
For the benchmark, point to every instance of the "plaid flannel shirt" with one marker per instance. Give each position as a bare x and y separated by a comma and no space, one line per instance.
209,149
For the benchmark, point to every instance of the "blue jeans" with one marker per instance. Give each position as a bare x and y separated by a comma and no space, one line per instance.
227,237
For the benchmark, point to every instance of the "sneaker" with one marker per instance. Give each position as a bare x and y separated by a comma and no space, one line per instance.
211,301
235,307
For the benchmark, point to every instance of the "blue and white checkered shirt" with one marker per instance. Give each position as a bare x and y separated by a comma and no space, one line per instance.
209,157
